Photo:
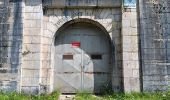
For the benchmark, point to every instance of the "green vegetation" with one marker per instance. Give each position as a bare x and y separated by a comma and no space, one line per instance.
87,96
127,96
17,96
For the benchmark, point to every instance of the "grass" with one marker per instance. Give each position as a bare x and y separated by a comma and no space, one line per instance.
20,96
86,96
126,96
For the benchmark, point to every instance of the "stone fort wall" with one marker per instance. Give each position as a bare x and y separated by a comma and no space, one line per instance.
28,27
155,44
11,29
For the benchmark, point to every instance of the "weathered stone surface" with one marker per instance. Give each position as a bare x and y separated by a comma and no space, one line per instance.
130,51
55,18
81,3
35,43
154,35
10,44
140,52
31,53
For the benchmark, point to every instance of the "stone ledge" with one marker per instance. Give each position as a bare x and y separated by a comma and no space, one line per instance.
81,3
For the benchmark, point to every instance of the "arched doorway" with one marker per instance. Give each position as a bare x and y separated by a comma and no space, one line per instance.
82,58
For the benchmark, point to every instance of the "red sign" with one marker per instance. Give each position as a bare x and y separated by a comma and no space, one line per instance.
75,44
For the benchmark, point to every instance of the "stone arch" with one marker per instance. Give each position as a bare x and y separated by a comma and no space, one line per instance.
85,20
55,23
49,32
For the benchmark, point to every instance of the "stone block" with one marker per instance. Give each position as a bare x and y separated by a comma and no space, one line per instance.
46,48
131,84
81,3
31,65
46,73
127,72
46,64
130,56
118,56
133,47
117,17
32,48
126,23
32,31
129,40
115,34
46,56
31,56
33,9
30,89
133,23
33,16
131,64
30,81
31,39
32,23
5,85
117,41
48,33
45,81
47,41
30,73
129,15
136,73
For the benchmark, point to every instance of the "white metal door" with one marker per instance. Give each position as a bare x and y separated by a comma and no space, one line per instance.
96,68
67,72
84,68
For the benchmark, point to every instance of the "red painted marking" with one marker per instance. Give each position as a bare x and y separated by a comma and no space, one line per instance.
75,44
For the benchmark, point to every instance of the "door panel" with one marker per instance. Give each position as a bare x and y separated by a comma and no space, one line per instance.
68,76
67,41
95,69
91,44
68,82
83,72
101,64
88,82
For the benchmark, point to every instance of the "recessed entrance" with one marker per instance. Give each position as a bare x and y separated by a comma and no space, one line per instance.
82,59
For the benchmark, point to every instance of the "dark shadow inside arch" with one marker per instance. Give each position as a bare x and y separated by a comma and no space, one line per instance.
83,58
